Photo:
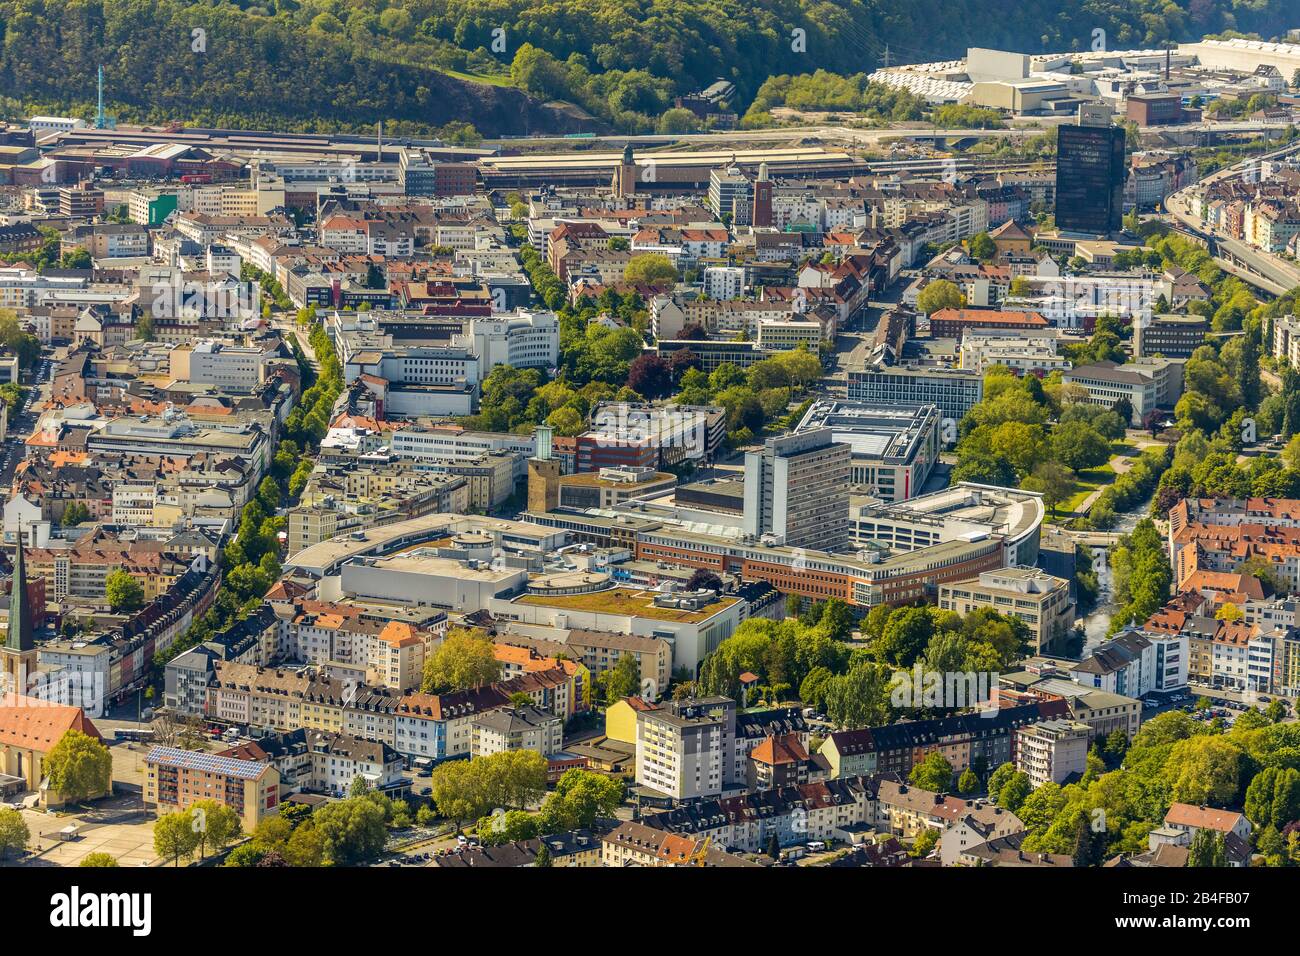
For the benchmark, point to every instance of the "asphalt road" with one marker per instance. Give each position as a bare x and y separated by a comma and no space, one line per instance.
38,392
1280,275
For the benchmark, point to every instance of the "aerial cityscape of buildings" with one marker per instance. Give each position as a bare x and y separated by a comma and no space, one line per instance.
822,494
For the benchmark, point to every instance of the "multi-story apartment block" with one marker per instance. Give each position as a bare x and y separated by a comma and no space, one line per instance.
685,749
516,728
1052,751
1039,599
1147,384
964,740
176,779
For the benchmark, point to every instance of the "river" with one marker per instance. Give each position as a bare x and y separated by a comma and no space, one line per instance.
1096,624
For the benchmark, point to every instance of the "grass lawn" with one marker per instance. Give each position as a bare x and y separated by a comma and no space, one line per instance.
494,79
1088,481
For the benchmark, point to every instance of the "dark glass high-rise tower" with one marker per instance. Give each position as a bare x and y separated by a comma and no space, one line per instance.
1089,178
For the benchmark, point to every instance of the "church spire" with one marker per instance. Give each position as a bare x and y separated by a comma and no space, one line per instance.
19,637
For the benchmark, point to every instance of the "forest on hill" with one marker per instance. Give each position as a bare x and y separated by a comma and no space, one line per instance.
344,64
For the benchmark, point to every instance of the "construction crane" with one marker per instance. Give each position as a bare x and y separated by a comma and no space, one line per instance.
699,854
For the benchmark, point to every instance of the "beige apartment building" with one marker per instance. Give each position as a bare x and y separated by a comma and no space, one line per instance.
1039,599
491,479
175,779
1049,752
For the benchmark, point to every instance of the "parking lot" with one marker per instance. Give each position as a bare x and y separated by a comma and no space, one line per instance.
1226,704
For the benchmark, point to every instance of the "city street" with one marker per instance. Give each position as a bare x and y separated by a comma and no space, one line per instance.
1271,272
21,427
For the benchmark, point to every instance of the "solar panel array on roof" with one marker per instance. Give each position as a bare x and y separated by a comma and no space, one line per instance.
206,763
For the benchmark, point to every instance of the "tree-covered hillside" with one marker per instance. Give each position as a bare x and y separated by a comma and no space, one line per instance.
348,63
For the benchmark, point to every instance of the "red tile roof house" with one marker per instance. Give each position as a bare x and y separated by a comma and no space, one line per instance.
779,761
1184,821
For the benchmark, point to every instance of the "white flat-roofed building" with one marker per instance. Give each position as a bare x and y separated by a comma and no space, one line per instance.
786,336
523,340
464,533
894,448
692,624
424,577
724,282
954,390
452,444
963,512
231,367
54,124
1148,384
1026,351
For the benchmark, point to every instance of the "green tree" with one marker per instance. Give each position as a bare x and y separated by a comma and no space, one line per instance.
14,833
934,773
859,698
968,783
579,798
123,592
940,294
216,825
79,767
1014,792
1204,770
1078,445
174,837
1273,797
649,268
622,680
678,120
924,843
104,860
352,830
982,247
306,847
469,790
837,619
1207,849
463,660
74,514
905,636
1054,481
248,854
1085,853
